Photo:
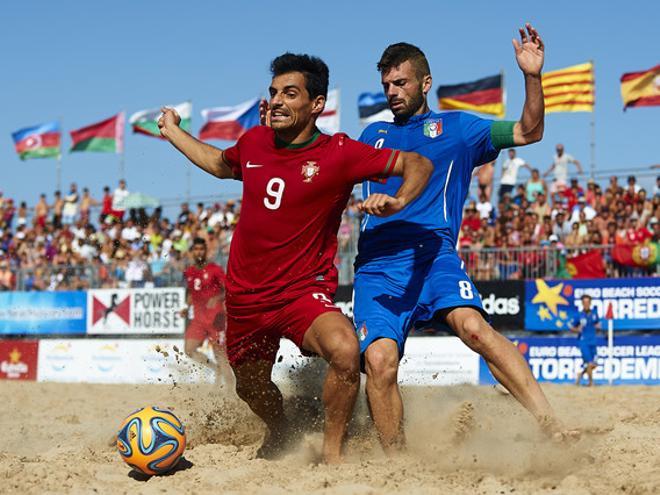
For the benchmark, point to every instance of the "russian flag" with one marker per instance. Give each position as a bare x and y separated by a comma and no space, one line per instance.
229,123
39,141
373,107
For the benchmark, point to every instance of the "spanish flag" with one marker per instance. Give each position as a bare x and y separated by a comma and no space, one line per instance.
484,95
641,89
570,89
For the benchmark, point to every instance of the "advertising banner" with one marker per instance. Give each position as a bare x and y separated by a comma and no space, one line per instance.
24,313
504,301
550,304
135,311
18,359
438,361
636,360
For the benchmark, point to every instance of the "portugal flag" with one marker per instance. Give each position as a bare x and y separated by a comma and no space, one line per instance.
641,89
106,136
570,89
484,95
587,265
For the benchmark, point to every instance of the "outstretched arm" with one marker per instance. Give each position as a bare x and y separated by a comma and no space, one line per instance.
416,171
578,165
207,157
529,55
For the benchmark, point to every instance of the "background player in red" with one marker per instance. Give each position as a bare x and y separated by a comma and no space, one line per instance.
206,295
281,277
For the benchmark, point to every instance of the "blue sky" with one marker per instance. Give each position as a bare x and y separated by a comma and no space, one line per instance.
81,62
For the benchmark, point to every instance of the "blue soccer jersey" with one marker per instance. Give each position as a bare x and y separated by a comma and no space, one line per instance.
456,143
407,268
587,323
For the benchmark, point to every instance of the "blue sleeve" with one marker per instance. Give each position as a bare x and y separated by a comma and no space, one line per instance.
574,322
477,138
367,134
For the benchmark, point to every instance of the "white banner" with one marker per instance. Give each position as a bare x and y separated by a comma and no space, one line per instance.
438,361
135,311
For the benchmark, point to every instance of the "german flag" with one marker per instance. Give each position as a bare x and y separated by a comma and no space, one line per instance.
570,89
641,89
485,95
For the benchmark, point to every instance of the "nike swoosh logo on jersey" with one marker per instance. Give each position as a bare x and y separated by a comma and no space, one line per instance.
252,165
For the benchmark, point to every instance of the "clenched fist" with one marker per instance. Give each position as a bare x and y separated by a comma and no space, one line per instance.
381,205
169,120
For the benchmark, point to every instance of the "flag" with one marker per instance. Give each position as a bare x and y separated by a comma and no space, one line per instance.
636,255
570,89
328,121
587,265
105,136
229,123
146,121
39,141
484,95
641,89
373,107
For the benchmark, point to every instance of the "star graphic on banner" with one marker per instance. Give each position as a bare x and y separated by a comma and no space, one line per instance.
15,356
559,323
543,313
550,296
563,315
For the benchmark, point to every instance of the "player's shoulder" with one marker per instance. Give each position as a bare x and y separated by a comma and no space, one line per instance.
188,271
256,133
374,131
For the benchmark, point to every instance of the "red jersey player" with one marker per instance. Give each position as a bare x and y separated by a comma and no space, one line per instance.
206,291
281,278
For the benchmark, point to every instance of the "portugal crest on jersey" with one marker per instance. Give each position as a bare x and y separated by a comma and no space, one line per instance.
433,128
309,171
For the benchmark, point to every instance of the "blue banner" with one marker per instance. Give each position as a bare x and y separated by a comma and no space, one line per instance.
550,304
43,312
636,360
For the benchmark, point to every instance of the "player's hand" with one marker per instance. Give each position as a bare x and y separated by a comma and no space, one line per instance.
381,205
529,51
183,313
264,113
168,120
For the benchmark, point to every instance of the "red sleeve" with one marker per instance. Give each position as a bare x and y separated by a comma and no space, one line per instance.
232,157
362,161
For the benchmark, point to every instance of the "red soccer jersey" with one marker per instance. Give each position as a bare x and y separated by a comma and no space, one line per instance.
293,198
203,284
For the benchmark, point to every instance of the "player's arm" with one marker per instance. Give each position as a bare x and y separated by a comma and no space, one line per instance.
183,312
415,170
578,165
207,157
574,326
529,55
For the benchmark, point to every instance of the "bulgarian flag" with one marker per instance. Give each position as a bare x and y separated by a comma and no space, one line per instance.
106,136
146,121
39,141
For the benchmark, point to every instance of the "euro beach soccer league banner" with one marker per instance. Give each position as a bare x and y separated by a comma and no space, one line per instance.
635,360
550,304
135,311
39,313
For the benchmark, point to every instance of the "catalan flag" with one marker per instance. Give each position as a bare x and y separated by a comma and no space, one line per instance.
641,89
570,89
484,95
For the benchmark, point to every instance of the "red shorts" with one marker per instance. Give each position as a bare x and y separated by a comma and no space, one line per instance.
203,328
253,334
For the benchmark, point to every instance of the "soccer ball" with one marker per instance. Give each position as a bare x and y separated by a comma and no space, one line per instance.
151,440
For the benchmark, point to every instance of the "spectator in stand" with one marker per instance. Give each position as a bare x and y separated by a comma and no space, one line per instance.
7,279
41,212
118,197
217,217
535,184
22,214
8,213
582,207
106,206
510,168
472,219
636,233
656,188
86,204
58,206
654,224
485,175
559,168
70,208
614,186
484,207
184,214
632,183
541,206
202,213
574,239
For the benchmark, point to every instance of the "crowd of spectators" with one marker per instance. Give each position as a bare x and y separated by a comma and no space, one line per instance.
75,241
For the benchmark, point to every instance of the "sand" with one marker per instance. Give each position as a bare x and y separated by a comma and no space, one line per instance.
462,440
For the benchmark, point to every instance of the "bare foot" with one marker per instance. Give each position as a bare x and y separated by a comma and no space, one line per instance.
555,430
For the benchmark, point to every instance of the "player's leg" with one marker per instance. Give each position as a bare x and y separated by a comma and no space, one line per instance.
332,337
193,341
381,363
590,374
217,338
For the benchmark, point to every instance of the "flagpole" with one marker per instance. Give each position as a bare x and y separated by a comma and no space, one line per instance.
593,127
120,136
188,169
58,164
503,94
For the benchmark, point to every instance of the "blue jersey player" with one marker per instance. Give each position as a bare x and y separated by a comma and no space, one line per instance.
408,269
585,323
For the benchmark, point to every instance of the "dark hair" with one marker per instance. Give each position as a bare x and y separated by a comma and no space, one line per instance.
314,69
587,296
398,53
199,240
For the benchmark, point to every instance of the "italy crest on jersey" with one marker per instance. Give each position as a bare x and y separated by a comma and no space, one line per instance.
433,128
309,171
